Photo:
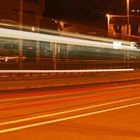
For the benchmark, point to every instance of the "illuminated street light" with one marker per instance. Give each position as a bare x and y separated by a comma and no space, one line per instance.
33,29
108,22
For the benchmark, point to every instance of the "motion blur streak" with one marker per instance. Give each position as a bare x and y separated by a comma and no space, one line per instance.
10,33
69,34
69,111
67,118
64,71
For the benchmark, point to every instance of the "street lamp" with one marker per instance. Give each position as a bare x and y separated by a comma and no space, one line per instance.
108,23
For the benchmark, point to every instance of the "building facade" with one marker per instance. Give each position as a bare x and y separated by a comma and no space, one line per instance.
127,23
25,13
20,14
118,26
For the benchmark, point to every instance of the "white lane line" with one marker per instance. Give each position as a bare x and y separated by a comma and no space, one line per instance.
66,118
65,112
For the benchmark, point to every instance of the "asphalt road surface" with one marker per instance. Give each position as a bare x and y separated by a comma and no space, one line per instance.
95,112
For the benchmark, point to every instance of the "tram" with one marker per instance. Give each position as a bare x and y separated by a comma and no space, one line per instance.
43,47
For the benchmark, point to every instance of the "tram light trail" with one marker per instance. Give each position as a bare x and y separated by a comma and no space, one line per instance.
64,71
103,43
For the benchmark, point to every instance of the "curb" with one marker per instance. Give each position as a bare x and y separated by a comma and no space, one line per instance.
22,87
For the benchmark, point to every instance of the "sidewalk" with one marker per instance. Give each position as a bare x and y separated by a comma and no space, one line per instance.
68,81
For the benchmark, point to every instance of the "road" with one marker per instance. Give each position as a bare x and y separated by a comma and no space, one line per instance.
95,112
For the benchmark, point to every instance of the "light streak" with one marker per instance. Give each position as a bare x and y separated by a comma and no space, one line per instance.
68,111
103,43
67,118
65,71
69,34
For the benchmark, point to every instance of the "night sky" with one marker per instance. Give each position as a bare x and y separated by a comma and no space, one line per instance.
86,9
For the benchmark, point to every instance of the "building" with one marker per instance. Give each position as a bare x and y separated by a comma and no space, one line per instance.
118,24
25,13
125,24
20,14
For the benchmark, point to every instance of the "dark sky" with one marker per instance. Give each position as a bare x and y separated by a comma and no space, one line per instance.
86,9
66,8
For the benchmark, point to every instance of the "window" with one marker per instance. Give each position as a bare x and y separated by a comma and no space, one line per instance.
32,1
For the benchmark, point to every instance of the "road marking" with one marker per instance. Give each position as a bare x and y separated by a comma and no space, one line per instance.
65,112
66,118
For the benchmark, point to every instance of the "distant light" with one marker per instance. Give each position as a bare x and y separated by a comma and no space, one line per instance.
107,15
117,45
6,59
33,29
133,10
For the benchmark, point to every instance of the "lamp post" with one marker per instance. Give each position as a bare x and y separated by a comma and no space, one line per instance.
128,16
21,14
108,23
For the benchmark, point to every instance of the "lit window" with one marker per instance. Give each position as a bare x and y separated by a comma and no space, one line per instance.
132,10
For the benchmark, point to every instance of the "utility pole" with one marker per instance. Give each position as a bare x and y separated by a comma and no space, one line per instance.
128,16
20,39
